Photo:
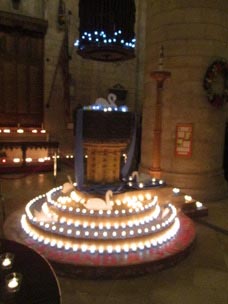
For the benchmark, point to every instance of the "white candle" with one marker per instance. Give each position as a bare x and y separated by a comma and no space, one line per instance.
13,283
176,190
187,198
55,165
6,262
199,205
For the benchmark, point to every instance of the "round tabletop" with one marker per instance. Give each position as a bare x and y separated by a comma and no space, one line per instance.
39,283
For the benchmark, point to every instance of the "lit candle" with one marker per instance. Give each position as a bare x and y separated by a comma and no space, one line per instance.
6,260
199,205
55,165
187,198
153,180
6,131
176,190
13,281
20,131
16,160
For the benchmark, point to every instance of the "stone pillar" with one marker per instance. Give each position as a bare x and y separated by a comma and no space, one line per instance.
194,33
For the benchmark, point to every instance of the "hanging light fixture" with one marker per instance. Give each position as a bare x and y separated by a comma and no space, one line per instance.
106,30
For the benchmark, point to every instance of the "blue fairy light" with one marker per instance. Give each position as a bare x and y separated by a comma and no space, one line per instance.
102,108
123,108
102,37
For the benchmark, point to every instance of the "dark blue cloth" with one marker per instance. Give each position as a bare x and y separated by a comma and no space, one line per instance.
79,155
130,154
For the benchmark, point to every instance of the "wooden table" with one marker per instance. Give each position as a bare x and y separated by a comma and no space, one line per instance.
25,145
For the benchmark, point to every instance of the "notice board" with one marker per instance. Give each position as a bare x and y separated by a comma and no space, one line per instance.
183,144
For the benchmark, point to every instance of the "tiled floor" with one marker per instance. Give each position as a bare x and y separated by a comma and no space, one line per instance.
201,278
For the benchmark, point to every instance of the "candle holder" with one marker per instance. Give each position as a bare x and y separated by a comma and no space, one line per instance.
6,260
13,282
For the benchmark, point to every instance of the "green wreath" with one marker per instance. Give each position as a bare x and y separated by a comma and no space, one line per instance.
216,69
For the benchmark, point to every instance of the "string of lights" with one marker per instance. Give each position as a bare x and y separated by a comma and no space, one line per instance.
106,30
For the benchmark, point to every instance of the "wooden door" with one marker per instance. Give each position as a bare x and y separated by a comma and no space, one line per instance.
21,70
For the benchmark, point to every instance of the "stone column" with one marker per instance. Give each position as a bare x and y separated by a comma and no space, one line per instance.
194,34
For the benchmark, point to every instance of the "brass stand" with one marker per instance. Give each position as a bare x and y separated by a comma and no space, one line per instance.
160,77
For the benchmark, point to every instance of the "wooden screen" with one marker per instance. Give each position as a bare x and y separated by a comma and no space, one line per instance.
21,70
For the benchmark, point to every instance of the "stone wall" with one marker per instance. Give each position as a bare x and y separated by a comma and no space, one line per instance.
32,8
194,34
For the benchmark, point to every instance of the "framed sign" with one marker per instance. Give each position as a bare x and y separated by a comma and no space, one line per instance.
183,144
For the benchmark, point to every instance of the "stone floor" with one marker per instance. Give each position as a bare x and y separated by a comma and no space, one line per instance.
200,278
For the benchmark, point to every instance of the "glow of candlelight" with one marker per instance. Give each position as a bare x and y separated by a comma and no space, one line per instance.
6,262
55,165
13,283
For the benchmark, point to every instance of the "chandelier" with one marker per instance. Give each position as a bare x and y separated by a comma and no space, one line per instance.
106,30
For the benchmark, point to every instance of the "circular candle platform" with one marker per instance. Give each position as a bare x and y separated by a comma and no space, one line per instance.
133,233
